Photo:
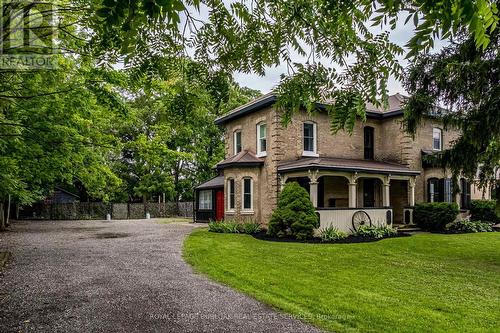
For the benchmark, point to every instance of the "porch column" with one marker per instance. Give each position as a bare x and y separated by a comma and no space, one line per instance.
282,179
313,187
313,193
352,194
386,194
411,192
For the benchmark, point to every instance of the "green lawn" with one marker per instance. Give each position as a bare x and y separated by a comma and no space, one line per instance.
423,283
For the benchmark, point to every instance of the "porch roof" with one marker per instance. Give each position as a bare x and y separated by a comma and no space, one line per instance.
341,164
244,158
212,183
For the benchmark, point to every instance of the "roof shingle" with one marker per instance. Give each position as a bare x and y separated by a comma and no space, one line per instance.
243,158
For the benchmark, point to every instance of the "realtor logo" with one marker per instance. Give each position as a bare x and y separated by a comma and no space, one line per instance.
28,35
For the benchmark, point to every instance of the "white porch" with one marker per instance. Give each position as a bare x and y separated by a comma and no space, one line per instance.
341,197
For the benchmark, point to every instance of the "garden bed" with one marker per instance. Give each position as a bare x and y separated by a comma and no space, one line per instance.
316,240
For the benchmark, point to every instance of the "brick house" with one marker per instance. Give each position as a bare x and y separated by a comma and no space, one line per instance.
377,172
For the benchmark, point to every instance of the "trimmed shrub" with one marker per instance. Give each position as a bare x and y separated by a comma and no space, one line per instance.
331,234
369,231
295,215
484,210
470,226
434,216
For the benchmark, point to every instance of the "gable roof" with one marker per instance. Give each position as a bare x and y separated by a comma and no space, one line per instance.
244,158
395,108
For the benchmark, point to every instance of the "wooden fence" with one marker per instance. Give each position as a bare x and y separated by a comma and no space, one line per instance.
99,210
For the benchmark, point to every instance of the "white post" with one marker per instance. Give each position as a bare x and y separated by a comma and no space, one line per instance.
313,187
283,180
386,194
313,193
411,194
352,194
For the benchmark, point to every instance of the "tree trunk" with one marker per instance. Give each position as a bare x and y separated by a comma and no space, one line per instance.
8,213
2,217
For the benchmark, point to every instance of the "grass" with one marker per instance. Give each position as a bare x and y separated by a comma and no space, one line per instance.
174,220
423,283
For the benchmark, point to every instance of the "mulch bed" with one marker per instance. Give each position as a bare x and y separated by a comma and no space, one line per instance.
316,240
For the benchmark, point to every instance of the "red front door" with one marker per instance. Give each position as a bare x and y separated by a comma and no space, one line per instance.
219,205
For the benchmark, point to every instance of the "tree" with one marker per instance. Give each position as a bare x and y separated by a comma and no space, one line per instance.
251,35
465,80
170,141
295,215
55,128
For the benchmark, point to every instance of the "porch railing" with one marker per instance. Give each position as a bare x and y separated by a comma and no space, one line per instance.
341,218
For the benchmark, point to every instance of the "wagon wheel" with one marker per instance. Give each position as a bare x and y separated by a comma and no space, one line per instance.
360,218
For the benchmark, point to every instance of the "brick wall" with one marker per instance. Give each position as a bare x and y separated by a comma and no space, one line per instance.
285,143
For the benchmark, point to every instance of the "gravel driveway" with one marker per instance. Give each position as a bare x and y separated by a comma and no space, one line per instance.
119,276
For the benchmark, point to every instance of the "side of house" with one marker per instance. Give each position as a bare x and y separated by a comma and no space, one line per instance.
377,168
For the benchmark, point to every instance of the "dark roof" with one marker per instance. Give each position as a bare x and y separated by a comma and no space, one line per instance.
341,164
395,108
257,104
212,183
244,158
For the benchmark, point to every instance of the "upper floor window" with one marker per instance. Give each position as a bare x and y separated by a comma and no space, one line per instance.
261,139
437,139
230,191
237,142
369,142
247,194
309,135
205,199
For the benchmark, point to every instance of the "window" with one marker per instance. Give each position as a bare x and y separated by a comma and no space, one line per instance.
247,194
448,190
433,190
261,139
440,190
309,134
437,137
205,200
230,191
369,142
237,142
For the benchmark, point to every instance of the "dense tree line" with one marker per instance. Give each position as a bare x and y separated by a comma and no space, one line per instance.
114,131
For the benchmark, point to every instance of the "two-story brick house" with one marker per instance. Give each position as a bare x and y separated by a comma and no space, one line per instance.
378,169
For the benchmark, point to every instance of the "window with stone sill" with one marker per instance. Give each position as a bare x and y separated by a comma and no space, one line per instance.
261,139
247,194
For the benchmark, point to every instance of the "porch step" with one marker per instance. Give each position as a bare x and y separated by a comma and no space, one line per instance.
407,227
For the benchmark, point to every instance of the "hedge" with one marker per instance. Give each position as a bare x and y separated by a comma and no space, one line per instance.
434,216
484,210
